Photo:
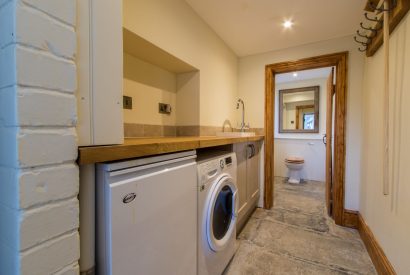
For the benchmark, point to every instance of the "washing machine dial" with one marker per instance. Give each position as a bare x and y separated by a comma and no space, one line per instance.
222,163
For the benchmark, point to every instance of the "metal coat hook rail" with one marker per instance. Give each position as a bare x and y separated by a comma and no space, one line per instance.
382,9
380,17
368,32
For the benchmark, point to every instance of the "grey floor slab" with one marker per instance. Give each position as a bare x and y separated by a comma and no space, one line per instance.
299,202
314,247
252,259
309,221
297,237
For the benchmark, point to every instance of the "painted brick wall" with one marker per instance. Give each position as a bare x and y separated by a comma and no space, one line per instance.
39,181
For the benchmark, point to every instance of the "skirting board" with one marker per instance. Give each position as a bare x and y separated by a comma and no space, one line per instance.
380,261
350,218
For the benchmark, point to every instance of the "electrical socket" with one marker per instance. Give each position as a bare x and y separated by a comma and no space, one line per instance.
164,108
127,102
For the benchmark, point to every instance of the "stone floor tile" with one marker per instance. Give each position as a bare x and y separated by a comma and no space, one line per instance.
314,247
341,232
259,213
250,230
299,202
255,260
316,187
297,237
313,222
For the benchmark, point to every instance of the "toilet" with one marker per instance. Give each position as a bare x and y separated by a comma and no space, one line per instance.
294,164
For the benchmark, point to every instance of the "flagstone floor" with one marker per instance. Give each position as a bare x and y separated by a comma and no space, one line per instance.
297,237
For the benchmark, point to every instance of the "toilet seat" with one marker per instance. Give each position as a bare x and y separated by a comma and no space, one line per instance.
295,160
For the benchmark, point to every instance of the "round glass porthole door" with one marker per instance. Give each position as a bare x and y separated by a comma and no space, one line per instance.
221,213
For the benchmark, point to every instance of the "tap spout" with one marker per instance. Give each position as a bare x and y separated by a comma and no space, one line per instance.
240,101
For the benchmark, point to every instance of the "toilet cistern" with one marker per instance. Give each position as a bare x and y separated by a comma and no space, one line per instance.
243,125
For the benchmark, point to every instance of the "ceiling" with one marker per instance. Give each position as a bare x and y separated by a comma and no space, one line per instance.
255,26
303,75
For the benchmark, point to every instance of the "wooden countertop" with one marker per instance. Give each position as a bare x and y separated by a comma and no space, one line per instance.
138,147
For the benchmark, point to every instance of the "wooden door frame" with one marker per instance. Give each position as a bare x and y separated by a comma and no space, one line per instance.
339,61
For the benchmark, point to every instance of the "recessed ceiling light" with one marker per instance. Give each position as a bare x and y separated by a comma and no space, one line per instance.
295,74
287,24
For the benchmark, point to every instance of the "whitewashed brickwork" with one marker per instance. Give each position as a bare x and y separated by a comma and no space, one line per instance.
39,179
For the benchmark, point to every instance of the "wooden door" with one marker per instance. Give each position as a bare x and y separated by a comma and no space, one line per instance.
241,156
329,132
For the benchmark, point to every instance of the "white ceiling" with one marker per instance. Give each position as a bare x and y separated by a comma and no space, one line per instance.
255,26
303,75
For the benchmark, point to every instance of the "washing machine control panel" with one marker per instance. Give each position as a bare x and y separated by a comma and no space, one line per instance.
210,169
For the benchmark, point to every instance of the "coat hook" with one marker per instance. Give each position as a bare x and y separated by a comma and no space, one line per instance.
362,50
362,35
374,7
368,29
371,19
360,42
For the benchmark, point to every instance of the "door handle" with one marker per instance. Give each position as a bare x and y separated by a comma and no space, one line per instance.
324,139
249,151
252,152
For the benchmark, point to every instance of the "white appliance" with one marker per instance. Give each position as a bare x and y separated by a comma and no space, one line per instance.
217,212
146,215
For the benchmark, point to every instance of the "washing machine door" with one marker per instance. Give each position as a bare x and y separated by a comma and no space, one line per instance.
222,213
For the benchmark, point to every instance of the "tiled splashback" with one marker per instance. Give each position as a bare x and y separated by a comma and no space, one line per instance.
146,130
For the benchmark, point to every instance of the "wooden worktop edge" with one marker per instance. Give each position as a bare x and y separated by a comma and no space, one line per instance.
95,154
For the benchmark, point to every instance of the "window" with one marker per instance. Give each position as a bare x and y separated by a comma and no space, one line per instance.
308,121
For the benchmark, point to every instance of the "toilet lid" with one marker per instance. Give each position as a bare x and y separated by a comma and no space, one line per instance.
294,160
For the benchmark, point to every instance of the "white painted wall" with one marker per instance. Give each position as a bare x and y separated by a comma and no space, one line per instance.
251,87
188,99
173,26
388,216
148,85
38,174
312,150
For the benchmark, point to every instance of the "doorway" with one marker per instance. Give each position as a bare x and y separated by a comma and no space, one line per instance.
335,184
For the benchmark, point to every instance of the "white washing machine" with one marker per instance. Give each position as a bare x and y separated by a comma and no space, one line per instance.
217,212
